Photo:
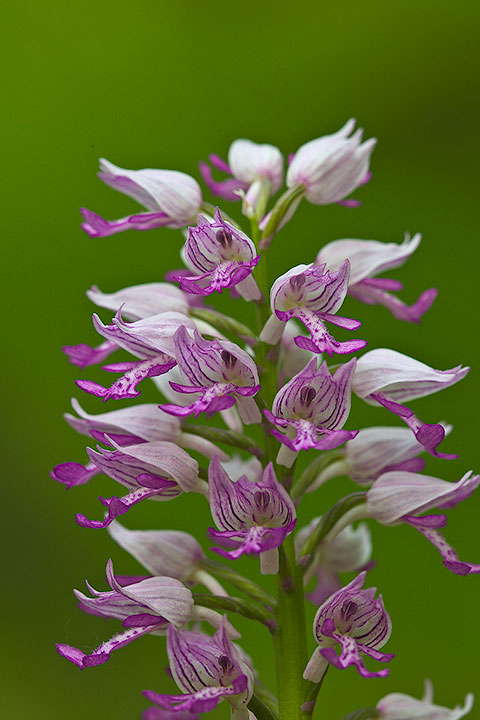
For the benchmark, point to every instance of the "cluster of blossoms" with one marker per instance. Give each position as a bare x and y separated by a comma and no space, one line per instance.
277,379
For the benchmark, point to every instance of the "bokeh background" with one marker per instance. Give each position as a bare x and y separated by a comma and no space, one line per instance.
162,84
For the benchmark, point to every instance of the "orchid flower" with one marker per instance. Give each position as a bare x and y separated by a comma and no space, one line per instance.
219,256
388,378
398,706
398,496
253,517
219,371
313,295
369,258
355,620
256,170
311,410
207,670
155,470
171,198
331,167
128,426
144,607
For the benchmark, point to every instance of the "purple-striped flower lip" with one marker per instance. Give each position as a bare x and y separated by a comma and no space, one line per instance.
313,295
312,407
219,371
150,339
358,622
206,669
219,256
251,517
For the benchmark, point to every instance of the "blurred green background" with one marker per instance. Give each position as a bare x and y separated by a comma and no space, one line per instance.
162,84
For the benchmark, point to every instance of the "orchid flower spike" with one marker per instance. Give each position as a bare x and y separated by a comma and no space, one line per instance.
331,167
388,378
398,706
154,470
148,606
219,256
207,670
256,170
128,426
398,496
251,517
369,258
173,199
349,551
220,372
312,294
311,410
358,622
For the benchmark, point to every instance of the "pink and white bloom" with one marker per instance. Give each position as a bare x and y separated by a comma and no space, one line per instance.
252,517
369,258
129,426
311,410
148,606
172,199
219,256
388,378
150,340
154,470
137,302
397,706
355,620
313,295
399,496
220,372
331,167
207,670
255,169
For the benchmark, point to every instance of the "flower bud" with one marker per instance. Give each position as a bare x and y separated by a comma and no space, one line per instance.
332,166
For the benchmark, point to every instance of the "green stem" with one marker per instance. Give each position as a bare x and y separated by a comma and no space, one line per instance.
310,699
290,636
250,588
237,605
313,471
229,437
260,710
311,696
